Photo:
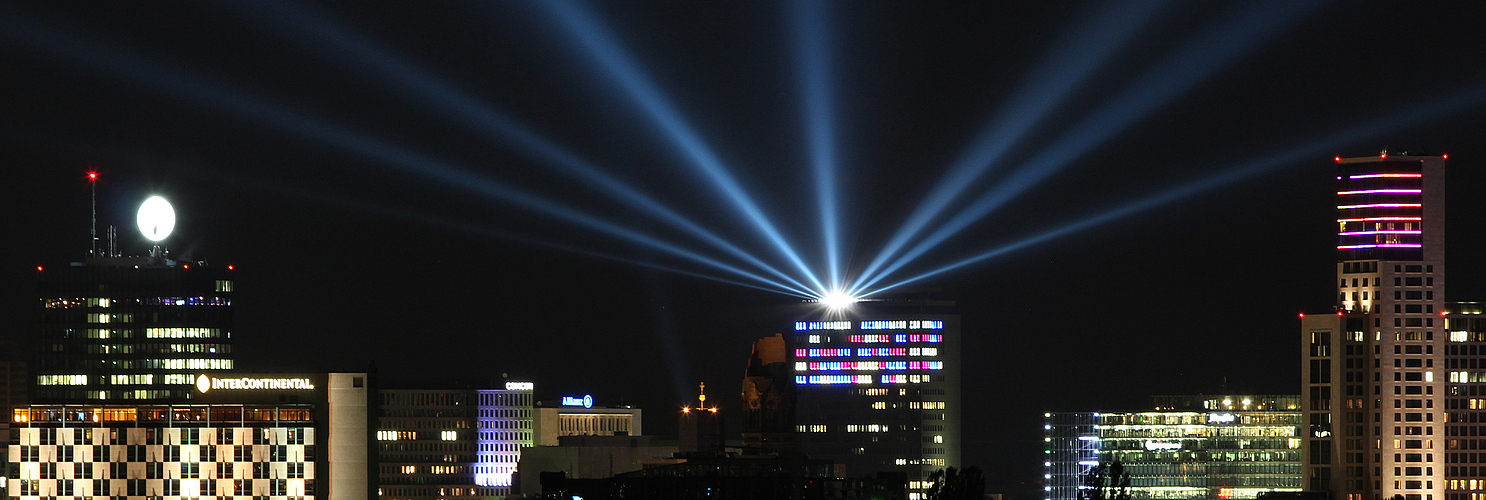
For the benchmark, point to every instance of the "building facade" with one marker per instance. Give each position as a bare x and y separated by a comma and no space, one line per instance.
440,444
123,329
878,389
1374,381
1222,447
1465,401
298,437
579,416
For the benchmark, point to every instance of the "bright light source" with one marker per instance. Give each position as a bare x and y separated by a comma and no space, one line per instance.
838,300
92,176
156,218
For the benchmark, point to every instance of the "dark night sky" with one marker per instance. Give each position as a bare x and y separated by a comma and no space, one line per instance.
343,259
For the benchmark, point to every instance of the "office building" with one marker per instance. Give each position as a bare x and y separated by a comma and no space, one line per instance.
581,416
115,329
503,427
1465,401
1188,448
132,329
289,436
1374,381
877,387
440,444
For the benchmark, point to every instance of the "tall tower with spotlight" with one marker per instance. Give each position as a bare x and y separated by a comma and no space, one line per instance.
132,328
1375,392
877,386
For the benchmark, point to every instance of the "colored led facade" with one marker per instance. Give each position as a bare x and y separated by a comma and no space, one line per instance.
1376,391
880,392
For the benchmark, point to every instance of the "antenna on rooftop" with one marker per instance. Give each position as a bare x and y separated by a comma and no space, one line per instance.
93,228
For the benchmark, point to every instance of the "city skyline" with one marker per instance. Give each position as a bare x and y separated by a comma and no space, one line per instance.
344,260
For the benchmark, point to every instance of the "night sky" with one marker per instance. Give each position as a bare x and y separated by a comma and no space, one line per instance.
312,148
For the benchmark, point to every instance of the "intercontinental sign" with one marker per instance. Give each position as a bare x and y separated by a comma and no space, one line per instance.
205,383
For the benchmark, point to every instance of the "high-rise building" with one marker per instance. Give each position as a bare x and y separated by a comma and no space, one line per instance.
131,328
1374,383
1189,447
878,388
116,328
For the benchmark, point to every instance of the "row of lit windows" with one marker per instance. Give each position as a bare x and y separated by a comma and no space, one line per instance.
1467,377
1466,484
187,488
816,366
867,352
178,414
61,380
157,348
184,333
822,325
69,303
862,379
912,324
895,338
938,462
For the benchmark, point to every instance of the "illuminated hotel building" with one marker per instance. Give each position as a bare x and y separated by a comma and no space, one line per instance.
1189,448
1376,391
280,436
878,389
435,444
130,329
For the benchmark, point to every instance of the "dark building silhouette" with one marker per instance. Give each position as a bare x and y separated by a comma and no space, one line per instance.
769,397
701,428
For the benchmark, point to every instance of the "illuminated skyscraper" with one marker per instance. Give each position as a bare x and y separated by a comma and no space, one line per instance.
131,328
878,388
1374,376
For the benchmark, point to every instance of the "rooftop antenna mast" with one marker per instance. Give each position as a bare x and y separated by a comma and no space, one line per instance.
93,228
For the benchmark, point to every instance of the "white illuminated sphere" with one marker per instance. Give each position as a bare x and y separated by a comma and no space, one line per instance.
156,218
837,300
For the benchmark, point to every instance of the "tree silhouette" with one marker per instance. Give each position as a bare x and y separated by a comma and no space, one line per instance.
951,484
1106,482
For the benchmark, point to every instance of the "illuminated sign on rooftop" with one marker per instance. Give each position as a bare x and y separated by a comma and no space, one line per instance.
520,386
205,383
586,401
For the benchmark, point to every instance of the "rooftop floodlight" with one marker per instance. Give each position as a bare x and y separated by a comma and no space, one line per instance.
838,300
156,218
